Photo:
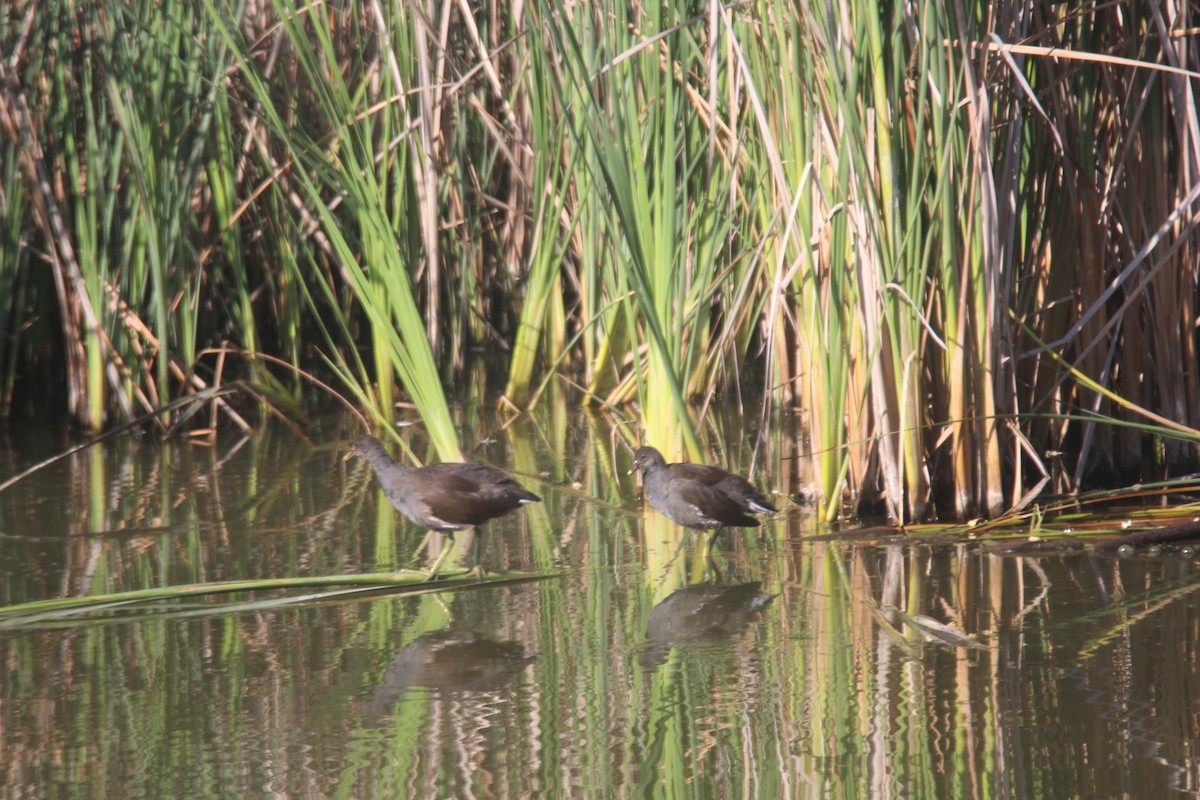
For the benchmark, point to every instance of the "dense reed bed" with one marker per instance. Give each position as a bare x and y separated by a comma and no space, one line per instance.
958,238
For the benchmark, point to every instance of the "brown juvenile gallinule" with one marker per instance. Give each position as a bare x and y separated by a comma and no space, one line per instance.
445,497
698,496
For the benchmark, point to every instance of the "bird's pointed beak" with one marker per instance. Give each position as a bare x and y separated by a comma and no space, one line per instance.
349,455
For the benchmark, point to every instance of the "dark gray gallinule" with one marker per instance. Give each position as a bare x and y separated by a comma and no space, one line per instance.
698,496
445,497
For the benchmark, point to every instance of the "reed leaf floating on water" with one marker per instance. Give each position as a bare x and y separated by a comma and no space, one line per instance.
166,600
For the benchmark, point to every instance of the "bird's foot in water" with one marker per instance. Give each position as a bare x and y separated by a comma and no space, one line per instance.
477,572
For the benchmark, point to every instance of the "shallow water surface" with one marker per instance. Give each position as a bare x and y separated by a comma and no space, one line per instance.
632,668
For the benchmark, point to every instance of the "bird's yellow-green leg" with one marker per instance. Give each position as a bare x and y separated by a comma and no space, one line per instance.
710,563
712,538
477,569
447,546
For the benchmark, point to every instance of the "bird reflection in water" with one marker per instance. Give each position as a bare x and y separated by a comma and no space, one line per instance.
450,664
701,614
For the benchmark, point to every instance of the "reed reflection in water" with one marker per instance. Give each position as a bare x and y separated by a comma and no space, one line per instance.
804,672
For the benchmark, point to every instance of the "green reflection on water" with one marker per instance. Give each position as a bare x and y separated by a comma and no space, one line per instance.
562,687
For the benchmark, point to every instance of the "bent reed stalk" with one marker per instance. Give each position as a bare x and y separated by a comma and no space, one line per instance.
878,216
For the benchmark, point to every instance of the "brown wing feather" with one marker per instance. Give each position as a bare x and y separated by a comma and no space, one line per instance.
701,473
735,487
713,505
745,494
465,495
